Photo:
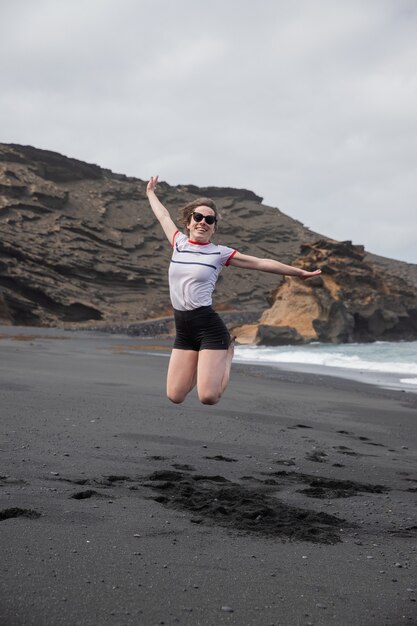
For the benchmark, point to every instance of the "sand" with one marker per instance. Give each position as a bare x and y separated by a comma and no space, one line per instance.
292,502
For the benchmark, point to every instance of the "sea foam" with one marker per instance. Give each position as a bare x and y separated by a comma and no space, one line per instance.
385,357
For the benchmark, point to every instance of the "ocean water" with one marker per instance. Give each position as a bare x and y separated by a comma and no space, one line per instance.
384,363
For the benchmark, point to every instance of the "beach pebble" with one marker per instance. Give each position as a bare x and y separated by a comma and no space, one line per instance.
227,609
398,565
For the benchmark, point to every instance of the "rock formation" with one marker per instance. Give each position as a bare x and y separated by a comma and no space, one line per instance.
79,246
352,300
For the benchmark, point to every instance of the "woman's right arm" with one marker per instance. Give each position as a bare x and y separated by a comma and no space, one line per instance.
161,213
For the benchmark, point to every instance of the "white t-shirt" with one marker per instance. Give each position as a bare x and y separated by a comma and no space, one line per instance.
194,270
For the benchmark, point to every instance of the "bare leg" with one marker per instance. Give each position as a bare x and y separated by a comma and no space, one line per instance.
213,373
230,354
182,374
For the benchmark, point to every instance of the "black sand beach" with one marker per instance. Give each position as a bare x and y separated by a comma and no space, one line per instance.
292,502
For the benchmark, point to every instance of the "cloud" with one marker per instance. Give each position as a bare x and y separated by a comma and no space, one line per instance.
311,105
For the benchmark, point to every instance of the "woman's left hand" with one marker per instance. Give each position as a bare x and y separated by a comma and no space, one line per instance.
306,274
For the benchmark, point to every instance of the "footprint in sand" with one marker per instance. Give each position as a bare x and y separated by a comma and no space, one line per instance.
317,456
219,457
17,512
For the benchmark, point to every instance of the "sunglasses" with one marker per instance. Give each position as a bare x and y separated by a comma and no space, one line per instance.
199,217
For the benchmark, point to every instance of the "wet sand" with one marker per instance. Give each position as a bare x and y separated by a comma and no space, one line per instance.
292,502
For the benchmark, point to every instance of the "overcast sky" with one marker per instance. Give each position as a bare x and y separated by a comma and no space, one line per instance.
312,104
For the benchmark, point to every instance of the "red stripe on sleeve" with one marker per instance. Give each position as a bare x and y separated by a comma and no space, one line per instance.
173,237
230,257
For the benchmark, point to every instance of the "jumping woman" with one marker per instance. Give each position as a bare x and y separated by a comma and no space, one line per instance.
203,349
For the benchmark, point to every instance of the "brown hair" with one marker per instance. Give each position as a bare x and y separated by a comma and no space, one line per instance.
188,209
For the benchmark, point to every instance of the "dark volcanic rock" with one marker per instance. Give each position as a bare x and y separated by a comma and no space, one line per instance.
80,246
278,335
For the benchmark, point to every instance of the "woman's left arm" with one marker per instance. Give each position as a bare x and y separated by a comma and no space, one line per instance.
269,265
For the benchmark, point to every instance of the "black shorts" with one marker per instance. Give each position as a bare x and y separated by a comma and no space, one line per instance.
200,329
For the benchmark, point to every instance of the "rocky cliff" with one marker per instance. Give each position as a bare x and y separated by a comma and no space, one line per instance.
79,244
352,300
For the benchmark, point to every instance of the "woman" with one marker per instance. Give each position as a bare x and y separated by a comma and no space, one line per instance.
203,349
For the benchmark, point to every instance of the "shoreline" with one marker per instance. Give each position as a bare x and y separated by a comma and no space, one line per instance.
383,380
290,502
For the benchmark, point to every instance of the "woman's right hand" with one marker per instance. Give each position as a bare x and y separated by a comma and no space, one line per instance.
153,181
